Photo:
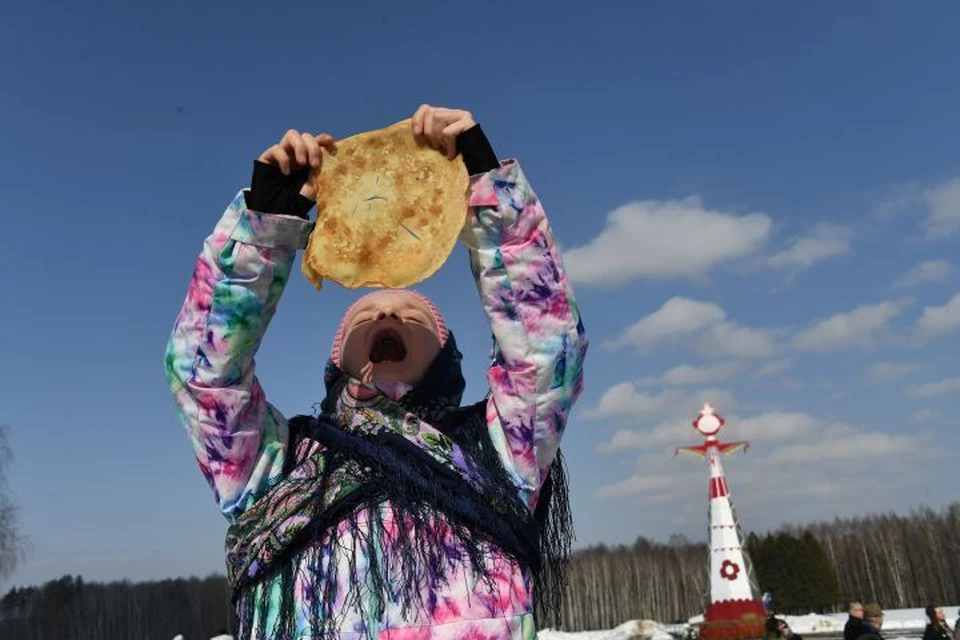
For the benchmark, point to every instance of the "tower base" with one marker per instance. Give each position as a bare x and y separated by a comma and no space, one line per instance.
734,620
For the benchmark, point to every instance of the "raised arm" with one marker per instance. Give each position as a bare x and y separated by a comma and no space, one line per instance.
239,439
537,369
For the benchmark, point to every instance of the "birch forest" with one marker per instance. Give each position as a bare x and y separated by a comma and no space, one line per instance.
898,561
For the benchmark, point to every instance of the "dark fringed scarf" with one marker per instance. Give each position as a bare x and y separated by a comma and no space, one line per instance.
344,464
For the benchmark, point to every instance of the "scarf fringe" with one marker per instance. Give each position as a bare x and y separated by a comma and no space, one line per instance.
284,558
555,520
408,557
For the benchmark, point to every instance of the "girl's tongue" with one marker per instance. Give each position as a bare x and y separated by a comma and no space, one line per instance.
393,389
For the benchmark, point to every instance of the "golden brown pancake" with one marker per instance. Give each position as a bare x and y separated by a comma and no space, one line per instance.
389,211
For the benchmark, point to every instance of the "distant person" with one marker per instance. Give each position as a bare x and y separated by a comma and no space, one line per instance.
778,629
785,632
854,627
937,627
772,628
872,622
956,628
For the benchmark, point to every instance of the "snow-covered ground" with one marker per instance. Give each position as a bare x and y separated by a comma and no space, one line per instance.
632,629
894,620
895,623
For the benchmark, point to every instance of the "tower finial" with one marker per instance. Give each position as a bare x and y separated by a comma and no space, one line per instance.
709,423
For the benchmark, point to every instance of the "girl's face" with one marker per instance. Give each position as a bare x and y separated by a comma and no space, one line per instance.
391,336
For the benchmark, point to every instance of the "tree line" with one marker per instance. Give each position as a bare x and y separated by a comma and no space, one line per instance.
71,609
898,561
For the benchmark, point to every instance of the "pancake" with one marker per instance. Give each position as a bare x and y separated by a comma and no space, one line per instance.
389,211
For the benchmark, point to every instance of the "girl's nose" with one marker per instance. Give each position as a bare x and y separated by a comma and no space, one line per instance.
388,313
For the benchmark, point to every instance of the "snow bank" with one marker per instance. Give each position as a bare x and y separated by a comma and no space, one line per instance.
816,623
635,629
893,620
895,623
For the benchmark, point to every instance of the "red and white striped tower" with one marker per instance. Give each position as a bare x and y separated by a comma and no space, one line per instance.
734,611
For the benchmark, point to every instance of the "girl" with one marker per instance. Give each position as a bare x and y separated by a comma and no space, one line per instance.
397,512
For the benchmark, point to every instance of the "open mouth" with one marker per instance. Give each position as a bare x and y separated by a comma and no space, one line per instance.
387,347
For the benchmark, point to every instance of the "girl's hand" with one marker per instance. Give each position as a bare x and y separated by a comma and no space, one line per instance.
439,127
297,151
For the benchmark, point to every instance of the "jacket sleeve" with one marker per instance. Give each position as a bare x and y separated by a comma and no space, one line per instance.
536,372
239,439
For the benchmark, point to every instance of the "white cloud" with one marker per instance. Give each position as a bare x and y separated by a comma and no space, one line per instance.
625,439
638,484
889,371
665,434
927,271
792,454
676,409
665,239
938,204
867,445
625,400
938,321
686,374
944,201
924,415
934,389
899,199
799,468
726,339
773,368
776,425
683,317
825,241
678,316
863,327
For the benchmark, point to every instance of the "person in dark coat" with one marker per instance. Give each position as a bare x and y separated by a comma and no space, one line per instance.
872,622
786,633
772,628
937,627
854,627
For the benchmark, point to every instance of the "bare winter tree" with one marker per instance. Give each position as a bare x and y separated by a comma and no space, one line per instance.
11,541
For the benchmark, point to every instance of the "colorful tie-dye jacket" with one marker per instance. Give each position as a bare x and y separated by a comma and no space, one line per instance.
239,438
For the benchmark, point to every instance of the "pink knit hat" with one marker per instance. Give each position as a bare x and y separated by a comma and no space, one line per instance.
336,351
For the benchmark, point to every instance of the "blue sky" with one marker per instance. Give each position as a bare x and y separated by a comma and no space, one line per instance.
759,206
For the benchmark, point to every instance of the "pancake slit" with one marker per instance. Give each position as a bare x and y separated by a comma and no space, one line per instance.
410,231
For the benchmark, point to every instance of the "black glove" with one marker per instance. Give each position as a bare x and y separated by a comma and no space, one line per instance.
272,192
477,153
